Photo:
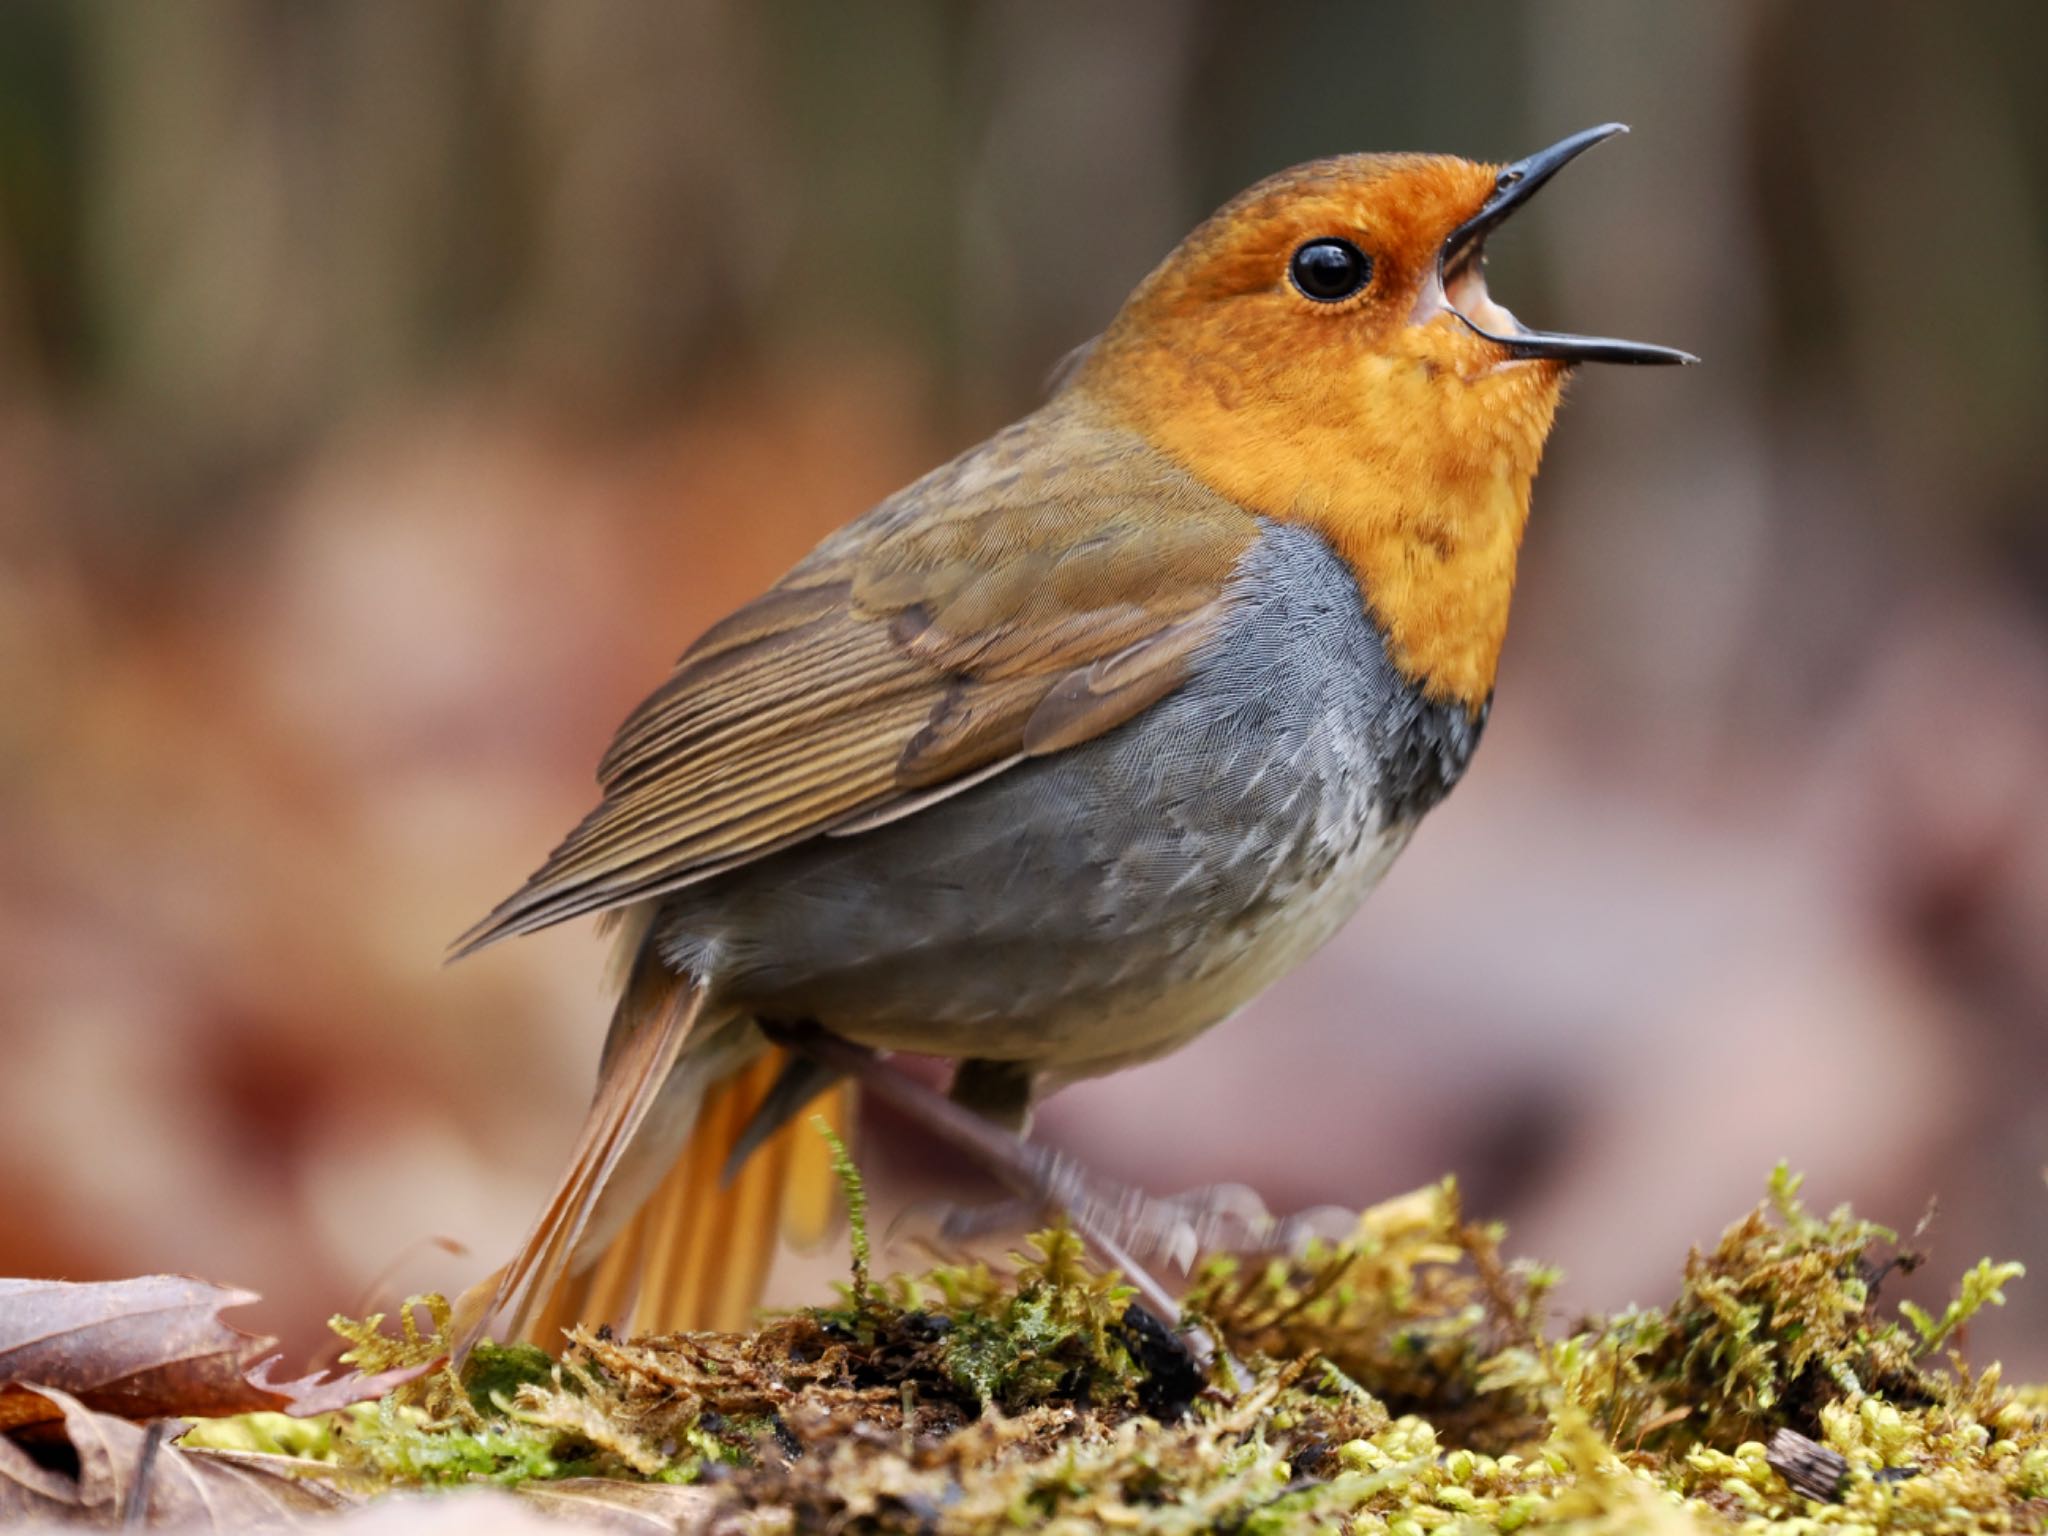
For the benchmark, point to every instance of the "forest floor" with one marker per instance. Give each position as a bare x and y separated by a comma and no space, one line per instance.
1404,1381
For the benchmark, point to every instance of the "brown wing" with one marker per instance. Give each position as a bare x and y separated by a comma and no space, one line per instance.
1027,597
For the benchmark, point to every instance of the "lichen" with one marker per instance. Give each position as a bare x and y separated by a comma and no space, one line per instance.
1401,1382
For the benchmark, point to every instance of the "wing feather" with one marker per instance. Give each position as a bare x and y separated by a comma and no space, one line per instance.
1031,595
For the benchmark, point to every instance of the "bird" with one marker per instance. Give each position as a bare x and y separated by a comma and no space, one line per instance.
1058,756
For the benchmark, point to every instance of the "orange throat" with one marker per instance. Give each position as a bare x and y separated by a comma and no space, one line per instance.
1417,473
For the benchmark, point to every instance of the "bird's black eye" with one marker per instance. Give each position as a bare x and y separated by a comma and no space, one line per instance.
1330,269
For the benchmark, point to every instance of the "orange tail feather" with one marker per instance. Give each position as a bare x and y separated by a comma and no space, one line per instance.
674,1092
663,1009
697,1253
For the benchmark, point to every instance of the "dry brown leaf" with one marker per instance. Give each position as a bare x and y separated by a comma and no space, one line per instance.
145,1348
304,1396
194,1490
616,1505
148,1348
28,1488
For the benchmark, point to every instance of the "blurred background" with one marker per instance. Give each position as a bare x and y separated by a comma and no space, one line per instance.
390,388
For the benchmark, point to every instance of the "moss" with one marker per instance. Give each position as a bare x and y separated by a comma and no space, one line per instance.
494,1373
1403,1382
1779,1320
1417,1307
1053,1329
268,1434
853,1189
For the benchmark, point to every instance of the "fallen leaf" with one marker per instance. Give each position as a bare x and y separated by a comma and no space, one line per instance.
193,1490
149,1348
144,1348
304,1396
613,1504
28,1489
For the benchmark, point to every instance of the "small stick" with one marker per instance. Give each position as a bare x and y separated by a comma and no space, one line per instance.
1809,1467
135,1508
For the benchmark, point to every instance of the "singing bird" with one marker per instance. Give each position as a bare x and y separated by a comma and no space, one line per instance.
1056,757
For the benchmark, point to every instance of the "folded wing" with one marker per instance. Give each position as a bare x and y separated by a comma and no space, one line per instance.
1031,595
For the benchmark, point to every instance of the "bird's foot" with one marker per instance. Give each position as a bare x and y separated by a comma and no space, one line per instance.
1123,1225
1214,1218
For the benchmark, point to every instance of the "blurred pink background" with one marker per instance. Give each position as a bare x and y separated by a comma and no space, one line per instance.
389,390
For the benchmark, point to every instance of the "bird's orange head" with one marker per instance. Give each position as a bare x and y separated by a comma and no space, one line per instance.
1323,350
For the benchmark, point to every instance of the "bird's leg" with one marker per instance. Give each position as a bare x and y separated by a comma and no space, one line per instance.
1042,1176
1120,1222
800,1081
1000,1092
1218,1217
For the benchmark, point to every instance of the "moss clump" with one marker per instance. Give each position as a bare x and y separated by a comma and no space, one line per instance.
493,1374
1777,1322
1400,1382
1417,1306
1050,1329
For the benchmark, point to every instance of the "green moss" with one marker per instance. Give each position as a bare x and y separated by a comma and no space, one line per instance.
1983,1286
402,1445
1053,1329
1402,1382
494,1373
854,1191
268,1434
1417,1306
1778,1321
372,1350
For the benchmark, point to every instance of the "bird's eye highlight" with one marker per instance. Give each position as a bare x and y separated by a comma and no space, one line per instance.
1330,269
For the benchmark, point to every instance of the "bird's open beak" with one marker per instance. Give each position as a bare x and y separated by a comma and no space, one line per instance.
1460,284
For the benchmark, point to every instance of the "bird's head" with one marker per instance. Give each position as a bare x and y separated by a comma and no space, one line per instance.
1324,350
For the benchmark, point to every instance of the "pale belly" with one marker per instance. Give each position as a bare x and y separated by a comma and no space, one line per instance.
1242,963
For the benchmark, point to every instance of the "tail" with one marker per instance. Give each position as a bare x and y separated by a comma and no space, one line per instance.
643,1233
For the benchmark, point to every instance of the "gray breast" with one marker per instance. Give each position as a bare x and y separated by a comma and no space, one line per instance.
1080,904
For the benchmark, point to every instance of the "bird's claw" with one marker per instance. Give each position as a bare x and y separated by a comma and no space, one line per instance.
1214,1218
